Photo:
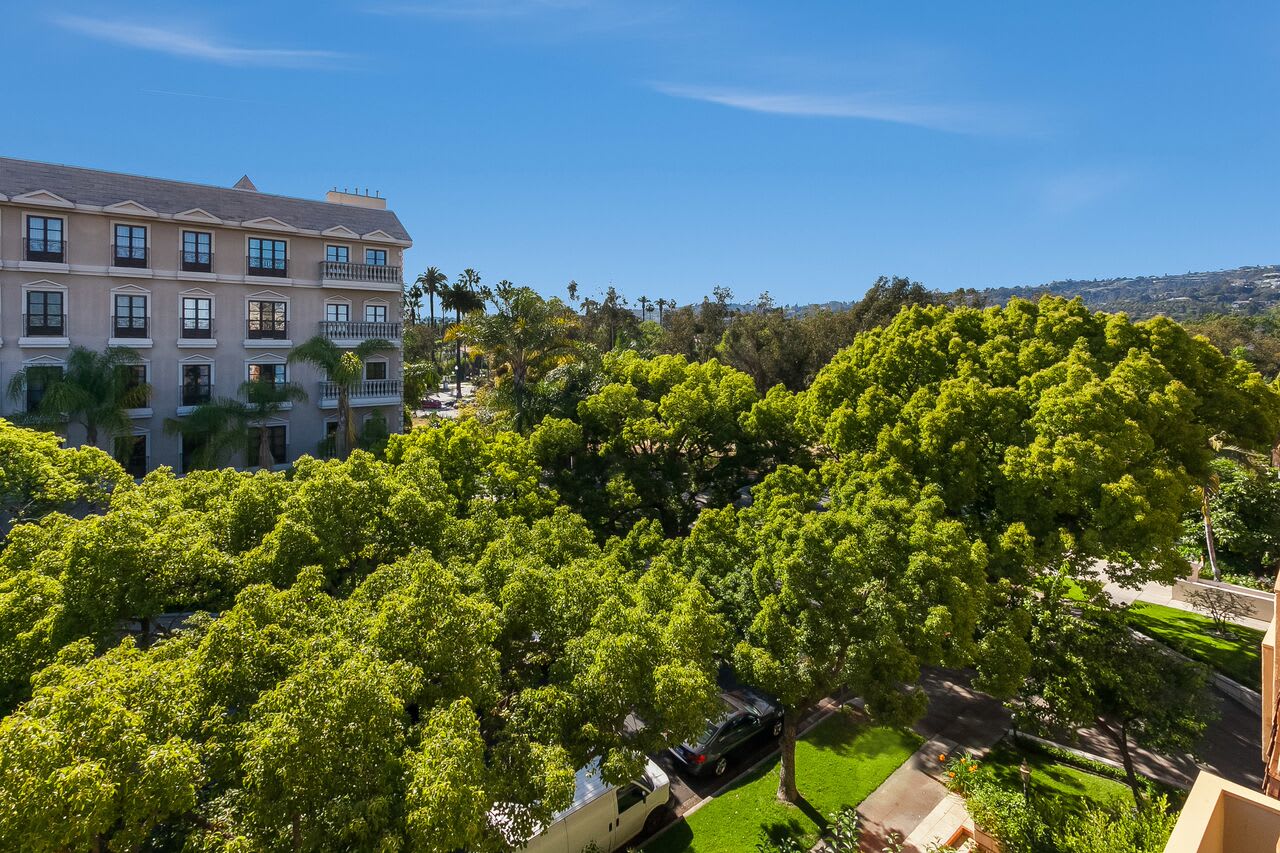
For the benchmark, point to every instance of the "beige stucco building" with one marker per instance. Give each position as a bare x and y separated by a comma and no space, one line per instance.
1223,817
210,285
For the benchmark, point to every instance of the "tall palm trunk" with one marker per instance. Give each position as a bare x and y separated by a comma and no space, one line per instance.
1211,550
345,439
458,374
265,460
431,336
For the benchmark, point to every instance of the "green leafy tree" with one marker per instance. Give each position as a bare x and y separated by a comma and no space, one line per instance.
858,596
39,476
345,369
94,389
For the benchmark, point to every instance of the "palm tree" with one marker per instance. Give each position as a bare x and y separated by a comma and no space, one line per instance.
95,389
413,302
464,296
345,369
663,303
431,283
525,337
222,426
645,302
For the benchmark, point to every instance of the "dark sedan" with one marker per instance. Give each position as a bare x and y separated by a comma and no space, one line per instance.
746,714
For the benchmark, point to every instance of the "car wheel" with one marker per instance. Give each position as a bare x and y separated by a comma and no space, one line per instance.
655,820
777,728
721,766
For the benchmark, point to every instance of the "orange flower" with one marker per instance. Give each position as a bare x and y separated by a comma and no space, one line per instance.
942,758
973,769
950,775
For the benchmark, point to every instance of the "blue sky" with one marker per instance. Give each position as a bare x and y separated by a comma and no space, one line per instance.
799,148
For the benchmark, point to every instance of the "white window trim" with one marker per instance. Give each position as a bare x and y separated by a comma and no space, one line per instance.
201,343
375,360
39,361
288,441
130,290
41,342
213,379
65,265
213,247
288,257
144,411
370,303
335,244
271,358
268,343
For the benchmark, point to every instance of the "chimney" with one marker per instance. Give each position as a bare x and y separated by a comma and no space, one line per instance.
356,199
245,184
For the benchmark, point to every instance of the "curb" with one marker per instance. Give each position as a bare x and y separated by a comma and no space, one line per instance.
1100,759
1246,697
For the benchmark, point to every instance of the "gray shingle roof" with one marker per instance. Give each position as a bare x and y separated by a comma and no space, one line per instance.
93,187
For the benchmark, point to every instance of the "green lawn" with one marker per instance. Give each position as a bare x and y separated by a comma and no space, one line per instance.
837,765
1073,788
1237,656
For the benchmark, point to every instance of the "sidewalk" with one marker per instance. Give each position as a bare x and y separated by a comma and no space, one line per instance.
912,802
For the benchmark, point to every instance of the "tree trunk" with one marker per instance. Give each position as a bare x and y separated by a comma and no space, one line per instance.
344,439
458,373
265,461
296,831
431,335
1211,550
1120,735
787,791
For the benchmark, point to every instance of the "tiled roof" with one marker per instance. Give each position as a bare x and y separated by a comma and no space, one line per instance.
92,187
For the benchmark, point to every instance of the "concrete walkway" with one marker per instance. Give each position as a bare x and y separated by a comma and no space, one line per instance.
912,803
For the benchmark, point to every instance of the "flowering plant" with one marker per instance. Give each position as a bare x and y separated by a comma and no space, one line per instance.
959,771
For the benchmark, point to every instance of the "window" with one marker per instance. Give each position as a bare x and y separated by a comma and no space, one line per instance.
130,316
276,440
197,384
631,795
192,449
131,453
375,313
38,379
135,375
197,251
375,370
337,312
267,257
197,317
131,246
375,257
267,319
44,239
337,254
45,314
271,373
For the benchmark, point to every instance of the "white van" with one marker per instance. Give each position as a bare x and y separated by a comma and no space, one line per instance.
607,815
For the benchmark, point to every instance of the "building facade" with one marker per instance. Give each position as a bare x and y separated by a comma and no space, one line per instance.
210,286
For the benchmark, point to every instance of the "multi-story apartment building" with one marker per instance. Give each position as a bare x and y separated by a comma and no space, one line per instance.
209,285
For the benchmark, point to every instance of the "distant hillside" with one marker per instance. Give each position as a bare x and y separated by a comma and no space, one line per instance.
1246,290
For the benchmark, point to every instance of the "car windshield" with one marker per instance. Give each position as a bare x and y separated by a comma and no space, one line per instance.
713,726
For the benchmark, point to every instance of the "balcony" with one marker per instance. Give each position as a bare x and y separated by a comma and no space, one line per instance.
267,330
197,329
350,330
125,256
370,392
46,251
197,261
368,273
129,327
44,325
262,265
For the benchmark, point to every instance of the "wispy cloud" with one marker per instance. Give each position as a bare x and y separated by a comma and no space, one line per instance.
575,16
867,106
1080,188
192,45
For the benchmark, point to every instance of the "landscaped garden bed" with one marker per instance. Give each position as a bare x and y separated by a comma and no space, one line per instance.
838,764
